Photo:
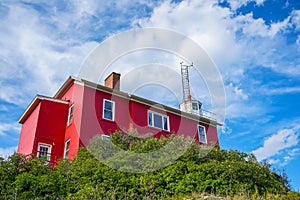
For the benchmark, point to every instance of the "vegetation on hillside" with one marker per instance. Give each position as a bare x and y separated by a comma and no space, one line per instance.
199,172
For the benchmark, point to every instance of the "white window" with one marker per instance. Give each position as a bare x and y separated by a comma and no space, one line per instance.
44,150
108,109
67,148
158,120
105,137
202,134
70,116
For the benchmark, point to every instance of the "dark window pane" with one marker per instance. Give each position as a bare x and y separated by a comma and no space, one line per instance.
68,145
202,136
43,151
107,114
157,121
150,119
108,110
108,105
166,123
201,129
195,106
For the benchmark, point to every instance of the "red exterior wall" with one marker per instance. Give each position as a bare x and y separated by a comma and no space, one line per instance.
47,123
130,114
51,127
75,97
92,122
178,125
212,135
28,131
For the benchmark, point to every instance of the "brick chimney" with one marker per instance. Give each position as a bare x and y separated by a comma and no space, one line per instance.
113,81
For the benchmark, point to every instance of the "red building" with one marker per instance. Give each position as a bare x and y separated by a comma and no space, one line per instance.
57,126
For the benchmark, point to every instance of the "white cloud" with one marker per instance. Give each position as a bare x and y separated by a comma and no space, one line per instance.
235,4
4,128
225,129
209,25
279,26
295,18
6,152
218,30
236,43
238,104
244,110
238,91
259,2
280,91
290,155
51,40
257,27
283,141
36,53
32,55
273,161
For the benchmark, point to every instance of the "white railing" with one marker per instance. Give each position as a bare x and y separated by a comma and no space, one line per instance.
208,115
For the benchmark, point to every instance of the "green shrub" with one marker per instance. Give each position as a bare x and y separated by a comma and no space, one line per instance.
200,170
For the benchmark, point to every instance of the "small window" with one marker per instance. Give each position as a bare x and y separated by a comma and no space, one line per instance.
105,137
108,109
158,120
202,134
195,106
44,150
67,148
70,116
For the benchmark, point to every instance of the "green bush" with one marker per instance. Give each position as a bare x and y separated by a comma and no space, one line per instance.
200,170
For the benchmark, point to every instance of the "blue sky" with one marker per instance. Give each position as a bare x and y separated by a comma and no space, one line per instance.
254,43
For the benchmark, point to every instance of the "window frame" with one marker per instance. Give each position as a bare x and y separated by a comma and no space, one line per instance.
67,150
105,137
204,131
48,154
70,114
163,117
112,111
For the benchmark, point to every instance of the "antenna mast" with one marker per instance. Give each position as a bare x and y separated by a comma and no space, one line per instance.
185,81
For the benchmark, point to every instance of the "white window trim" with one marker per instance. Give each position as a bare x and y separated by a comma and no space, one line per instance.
105,137
48,156
163,116
65,149
69,114
113,110
204,133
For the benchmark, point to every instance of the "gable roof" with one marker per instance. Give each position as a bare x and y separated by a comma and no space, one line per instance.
35,102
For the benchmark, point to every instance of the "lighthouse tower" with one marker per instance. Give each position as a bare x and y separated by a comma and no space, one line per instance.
189,104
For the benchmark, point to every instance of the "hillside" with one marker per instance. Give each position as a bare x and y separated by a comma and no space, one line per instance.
199,173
